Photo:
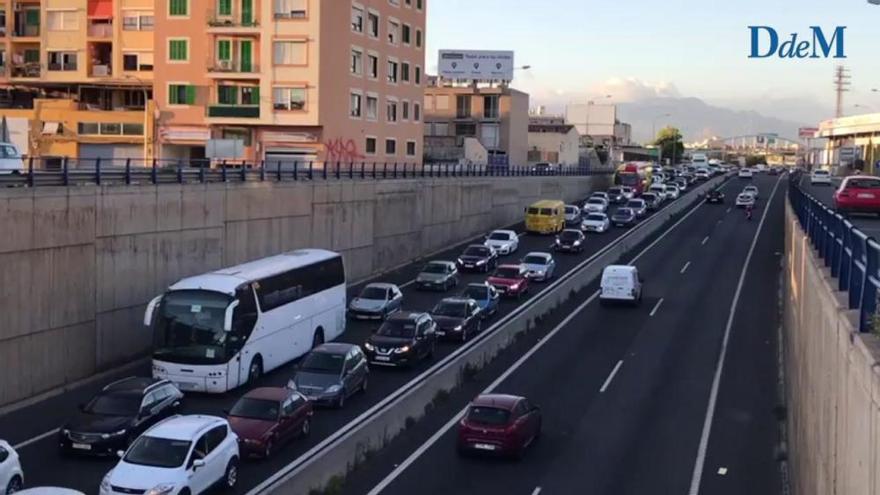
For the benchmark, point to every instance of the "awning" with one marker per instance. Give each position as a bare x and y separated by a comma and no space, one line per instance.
100,9
50,128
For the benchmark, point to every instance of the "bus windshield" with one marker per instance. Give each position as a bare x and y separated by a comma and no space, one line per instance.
189,328
629,179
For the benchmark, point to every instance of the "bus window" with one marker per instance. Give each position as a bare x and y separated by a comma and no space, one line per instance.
244,317
533,211
546,211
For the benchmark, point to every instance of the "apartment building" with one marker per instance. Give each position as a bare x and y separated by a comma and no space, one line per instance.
293,80
78,75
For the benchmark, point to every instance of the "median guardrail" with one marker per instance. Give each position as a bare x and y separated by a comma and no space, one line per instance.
852,256
336,455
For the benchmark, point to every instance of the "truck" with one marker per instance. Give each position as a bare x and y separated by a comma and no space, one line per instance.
637,175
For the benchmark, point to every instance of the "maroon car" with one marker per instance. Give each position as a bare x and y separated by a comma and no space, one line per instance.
499,424
266,418
510,280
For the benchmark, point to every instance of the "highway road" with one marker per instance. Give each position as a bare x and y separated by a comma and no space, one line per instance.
678,396
867,223
32,429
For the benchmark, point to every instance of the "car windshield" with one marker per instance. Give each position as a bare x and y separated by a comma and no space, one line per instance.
507,272
434,268
477,251
635,204
623,212
615,190
569,235
863,184
323,362
375,293
399,329
266,410
596,218
596,201
648,197
157,452
476,293
114,405
490,416
454,309
535,260
503,236
820,172
189,328
569,210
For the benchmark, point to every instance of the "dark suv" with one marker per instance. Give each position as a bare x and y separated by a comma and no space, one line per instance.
403,339
118,414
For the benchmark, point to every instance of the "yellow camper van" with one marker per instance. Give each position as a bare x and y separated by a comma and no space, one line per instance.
545,217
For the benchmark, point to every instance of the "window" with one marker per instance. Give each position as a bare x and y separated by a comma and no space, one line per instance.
243,135
404,110
62,61
404,72
129,61
373,66
357,61
137,61
62,20
392,72
419,4
463,106
410,148
290,53
133,129
390,146
370,146
216,436
417,112
146,22
391,111
178,8
357,19
178,50
418,75
465,129
227,95
289,286
110,128
290,9
393,32
356,105
490,107
418,38
224,8
395,3
372,107
181,94
250,95
373,24
130,23
289,98
440,129
224,49
442,102
408,3
406,34
87,128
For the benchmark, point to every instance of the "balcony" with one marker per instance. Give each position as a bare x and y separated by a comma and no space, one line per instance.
27,69
102,30
101,70
232,25
27,31
234,111
232,69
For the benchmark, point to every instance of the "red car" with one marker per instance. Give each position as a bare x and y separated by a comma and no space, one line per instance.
510,280
499,424
858,194
266,418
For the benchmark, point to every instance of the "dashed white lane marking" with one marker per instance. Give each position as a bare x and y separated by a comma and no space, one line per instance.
610,377
685,267
656,307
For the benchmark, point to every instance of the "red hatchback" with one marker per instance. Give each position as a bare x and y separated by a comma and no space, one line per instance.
266,418
858,194
499,424
510,280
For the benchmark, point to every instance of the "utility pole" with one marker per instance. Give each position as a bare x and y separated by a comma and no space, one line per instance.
841,83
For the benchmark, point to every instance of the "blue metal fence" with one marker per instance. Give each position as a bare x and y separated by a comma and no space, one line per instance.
852,256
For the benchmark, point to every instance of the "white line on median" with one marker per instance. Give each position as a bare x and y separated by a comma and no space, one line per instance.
610,377
685,267
35,439
536,491
705,240
716,382
656,307
728,210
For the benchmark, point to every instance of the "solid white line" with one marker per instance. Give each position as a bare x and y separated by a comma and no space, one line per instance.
610,377
35,439
685,267
728,210
536,491
403,286
656,307
705,240
716,382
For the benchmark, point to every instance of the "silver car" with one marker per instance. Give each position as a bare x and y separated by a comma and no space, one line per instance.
376,302
639,206
540,266
438,275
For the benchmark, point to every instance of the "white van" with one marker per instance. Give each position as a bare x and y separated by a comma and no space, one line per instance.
10,159
621,283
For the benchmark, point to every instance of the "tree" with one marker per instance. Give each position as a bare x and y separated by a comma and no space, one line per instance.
669,140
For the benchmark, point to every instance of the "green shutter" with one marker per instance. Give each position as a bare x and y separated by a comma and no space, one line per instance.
178,7
224,50
190,95
227,95
31,56
177,49
224,7
246,49
247,12
255,99
32,17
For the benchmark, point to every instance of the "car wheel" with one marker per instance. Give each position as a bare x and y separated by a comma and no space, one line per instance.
255,371
14,485
306,428
230,479
365,384
340,402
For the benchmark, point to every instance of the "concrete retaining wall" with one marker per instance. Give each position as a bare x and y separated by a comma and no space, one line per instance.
79,264
833,380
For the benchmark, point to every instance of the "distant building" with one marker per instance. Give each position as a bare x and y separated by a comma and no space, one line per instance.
852,141
553,140
598,125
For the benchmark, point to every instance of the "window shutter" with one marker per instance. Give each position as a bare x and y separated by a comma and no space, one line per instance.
190,95
224,50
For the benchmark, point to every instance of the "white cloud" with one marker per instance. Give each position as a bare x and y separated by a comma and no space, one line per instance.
633,89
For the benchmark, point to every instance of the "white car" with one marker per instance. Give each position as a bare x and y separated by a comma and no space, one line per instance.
672,192
745,199
504,242
701,174
541,266
596,205
620,283
49,490
572,215
628,192
181,455
746,173
11,477
596,222
601,194
820,177
660,191
751,190
10,159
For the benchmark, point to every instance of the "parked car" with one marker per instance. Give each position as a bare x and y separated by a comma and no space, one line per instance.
182,454
621,283
478,257
540,267
596,222
744,200
457,318
623,217
331,373
403,340
118,414
499,424
572,215
652,201
376,301
11,161
267,418
858,194
715,196
745,173
438,275
11,475
486,297
639,206
510,280
503,241
753,190
570,241
596,205
614,195
820,177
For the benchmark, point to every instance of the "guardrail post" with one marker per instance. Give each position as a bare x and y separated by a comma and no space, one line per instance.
180,171
98,171
127,171
30,177
858,272
338,171
311,170
65,172
404,170
201,171
845,258
223,171
154,172
243,171
263,170
395,170
868,303
295,170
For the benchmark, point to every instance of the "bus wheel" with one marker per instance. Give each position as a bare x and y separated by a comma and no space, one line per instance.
256,370
318,339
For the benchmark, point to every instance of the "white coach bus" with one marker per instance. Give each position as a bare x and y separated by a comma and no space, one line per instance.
215,332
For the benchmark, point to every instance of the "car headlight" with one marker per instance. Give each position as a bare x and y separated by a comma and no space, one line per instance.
577,243
481,262
460,262
119,433
161,489
368,346
65,432
558,241
457,328
514,286
105,483
401,350
332,389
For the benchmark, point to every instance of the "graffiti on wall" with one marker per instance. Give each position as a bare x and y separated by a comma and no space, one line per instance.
342,150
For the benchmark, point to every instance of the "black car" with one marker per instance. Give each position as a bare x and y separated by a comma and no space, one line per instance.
715,196
457,318
118,414
478,257
404,339
623,217
570,241
615,195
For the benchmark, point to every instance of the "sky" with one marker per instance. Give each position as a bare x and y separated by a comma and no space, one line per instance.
636,49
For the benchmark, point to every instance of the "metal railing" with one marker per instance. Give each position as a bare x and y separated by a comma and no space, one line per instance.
852,256
82,172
